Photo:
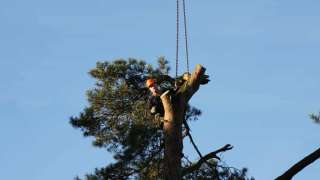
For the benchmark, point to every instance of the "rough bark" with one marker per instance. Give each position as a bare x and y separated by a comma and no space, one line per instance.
174,107
300,165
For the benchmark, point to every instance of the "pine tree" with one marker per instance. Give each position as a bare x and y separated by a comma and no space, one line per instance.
119,120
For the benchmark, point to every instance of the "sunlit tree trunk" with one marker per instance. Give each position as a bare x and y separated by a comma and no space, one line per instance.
174,106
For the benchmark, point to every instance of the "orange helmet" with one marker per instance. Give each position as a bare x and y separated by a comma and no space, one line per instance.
150,82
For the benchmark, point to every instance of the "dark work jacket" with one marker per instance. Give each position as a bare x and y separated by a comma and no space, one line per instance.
155,101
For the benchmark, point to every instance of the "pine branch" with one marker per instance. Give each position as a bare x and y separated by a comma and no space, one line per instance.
316,118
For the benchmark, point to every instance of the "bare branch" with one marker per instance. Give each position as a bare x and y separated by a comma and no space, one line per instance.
194,145
192,85
300,165
205,158
197,149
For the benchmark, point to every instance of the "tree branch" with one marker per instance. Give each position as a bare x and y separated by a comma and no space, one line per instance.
192,85
205,158
194,145
300,165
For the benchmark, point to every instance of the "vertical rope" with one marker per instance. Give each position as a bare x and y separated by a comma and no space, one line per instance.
159,145
177,39
186,35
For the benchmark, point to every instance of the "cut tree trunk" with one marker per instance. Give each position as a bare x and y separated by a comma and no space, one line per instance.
172,138
174,107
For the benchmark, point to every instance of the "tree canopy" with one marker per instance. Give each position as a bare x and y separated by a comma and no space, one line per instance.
119,120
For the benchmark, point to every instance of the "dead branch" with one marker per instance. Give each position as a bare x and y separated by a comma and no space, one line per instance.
194,145
205,158
196,79
300,165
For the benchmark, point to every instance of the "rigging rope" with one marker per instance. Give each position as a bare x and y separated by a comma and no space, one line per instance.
177,39
185,35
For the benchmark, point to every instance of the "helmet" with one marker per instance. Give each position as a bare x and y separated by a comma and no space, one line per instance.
150,82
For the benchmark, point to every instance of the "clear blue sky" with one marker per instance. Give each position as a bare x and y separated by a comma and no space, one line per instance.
263,58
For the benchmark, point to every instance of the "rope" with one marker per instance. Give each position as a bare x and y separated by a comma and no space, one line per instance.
177,39
185,36
159,157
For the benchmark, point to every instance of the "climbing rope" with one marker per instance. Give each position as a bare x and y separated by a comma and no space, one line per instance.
185,35
177,38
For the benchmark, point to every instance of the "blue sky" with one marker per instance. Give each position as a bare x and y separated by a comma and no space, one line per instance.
262,56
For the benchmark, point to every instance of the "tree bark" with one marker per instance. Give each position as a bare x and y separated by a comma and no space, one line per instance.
300,165
174,107
172,139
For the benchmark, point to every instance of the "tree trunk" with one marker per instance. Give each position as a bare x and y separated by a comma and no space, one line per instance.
174,107
172,137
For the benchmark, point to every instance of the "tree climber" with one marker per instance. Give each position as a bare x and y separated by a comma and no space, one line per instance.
154,101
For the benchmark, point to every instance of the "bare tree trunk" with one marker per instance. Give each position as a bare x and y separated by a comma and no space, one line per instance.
174,107
300,165
172,137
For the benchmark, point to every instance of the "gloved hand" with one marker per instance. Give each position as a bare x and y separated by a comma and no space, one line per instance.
153,110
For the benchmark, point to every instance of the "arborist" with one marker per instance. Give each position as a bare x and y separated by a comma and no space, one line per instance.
154,102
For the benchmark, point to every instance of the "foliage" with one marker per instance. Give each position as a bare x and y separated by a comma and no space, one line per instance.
315,117
118,119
